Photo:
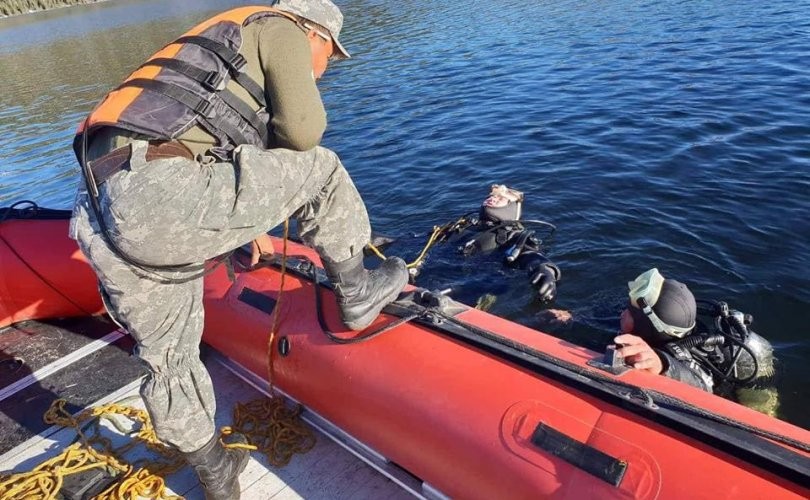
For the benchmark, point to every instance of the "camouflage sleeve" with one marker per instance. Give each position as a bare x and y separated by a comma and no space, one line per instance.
299,117
685,370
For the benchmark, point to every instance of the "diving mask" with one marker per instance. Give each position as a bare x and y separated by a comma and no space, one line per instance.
502,205
644,292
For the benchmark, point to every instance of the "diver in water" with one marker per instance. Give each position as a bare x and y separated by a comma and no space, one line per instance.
498,227
665,331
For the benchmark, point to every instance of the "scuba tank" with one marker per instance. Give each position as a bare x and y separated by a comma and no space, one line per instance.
727,347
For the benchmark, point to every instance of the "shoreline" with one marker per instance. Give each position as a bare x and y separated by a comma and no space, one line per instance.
14,8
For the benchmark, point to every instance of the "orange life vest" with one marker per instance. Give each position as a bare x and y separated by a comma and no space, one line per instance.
183,85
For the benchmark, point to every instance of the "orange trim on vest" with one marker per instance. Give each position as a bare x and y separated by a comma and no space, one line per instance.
114,104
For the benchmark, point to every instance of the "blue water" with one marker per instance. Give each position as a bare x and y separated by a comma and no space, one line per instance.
668,134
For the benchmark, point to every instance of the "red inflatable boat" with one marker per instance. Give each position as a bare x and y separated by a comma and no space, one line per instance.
472,405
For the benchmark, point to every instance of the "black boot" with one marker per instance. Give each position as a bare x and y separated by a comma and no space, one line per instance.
218,468
361,294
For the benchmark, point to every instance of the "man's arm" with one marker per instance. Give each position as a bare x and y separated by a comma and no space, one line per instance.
685,370
299,117
638,354
543,274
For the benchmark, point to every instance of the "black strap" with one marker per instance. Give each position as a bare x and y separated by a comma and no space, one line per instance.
199,105
27,209
246,112
202,107
213,81
235,61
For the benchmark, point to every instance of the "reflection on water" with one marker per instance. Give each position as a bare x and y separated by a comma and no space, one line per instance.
652,134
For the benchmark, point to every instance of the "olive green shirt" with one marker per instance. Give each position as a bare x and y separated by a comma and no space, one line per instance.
277,53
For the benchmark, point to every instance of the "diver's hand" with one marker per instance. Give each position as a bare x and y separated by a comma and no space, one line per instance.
638,354
544,279
555,317
259,247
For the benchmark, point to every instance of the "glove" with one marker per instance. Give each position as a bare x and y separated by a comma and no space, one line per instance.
544,278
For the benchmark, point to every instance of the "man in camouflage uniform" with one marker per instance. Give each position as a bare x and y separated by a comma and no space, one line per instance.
165,207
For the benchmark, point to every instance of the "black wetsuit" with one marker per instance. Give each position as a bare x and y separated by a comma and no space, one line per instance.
683,366
522,250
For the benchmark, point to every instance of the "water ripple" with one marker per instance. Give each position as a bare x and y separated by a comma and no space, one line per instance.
672,134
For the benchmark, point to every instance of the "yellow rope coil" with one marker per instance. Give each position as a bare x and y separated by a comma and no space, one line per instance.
277,309
93,451
274,429
269,425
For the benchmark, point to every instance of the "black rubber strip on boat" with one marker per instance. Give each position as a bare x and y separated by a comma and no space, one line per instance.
258,300
39,343
595,462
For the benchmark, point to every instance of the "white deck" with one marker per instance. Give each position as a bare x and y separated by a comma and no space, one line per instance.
328,471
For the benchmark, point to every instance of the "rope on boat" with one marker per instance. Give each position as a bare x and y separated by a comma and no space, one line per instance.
277,309
93,451
269,426
437,231
272,428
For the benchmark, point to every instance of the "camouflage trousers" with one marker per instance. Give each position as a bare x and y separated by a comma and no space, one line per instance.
174,211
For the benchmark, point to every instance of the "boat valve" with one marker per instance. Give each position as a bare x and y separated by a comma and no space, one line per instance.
284,346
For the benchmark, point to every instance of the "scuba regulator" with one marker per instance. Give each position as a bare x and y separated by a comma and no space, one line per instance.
726,346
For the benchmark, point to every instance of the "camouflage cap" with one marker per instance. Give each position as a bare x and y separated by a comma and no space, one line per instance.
322,12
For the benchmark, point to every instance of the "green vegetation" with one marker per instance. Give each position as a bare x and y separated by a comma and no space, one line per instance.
14,7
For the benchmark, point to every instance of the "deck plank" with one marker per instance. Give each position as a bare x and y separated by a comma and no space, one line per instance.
76,359
327,471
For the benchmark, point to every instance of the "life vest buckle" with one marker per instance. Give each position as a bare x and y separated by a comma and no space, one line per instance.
237,62
203,108
214,81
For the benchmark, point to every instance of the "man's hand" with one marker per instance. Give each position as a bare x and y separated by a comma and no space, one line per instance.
259,247
638,354
555,316
545,281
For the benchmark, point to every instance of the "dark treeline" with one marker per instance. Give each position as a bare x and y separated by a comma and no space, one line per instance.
14,7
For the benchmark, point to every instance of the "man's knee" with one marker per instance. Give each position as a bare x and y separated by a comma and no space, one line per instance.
327,155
